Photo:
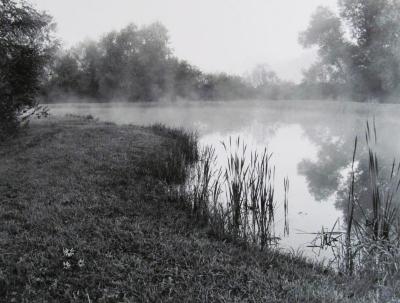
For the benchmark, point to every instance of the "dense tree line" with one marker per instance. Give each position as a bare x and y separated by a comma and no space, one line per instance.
135,64
358,59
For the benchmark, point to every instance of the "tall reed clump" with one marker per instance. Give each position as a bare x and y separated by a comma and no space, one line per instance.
205,186
236,177
237,200
372,239
181,151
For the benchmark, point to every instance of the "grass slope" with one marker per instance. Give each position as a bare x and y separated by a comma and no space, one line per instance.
88,186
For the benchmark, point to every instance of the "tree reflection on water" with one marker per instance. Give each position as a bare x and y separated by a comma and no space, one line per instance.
329,175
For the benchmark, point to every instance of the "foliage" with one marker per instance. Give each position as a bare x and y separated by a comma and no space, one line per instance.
125,66
372,238
247,212
358,49
25,47
367,246
181,150
135,64
266,84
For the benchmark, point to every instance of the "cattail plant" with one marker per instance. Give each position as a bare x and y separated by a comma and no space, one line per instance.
248,211
236,184
205,184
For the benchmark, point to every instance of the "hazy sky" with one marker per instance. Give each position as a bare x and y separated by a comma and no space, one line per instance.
216,35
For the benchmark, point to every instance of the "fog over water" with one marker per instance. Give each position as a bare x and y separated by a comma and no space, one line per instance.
312,143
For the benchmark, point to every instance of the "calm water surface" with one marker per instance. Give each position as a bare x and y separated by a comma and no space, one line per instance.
311,142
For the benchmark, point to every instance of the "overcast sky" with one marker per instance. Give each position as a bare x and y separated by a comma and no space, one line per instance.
215,35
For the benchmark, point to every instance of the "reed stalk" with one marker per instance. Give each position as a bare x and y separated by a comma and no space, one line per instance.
248,212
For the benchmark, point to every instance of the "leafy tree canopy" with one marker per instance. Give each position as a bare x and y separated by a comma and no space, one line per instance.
358,48
25,47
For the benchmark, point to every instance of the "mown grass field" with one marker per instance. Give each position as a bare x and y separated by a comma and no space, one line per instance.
84,217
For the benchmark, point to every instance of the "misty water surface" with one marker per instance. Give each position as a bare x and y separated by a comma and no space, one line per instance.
311,142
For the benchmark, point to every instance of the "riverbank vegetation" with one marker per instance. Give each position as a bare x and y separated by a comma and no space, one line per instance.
369,247
365,247
236,200
86,216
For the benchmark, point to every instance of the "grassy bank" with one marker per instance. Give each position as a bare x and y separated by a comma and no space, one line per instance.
86,216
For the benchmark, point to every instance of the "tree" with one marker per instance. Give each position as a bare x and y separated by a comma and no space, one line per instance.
132,64
262,76
67,74
223,87
89,56
155,54
187,79
25,47
359,48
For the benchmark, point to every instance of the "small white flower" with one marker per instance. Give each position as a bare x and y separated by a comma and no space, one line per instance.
54,284
81,263
66,265
68,252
